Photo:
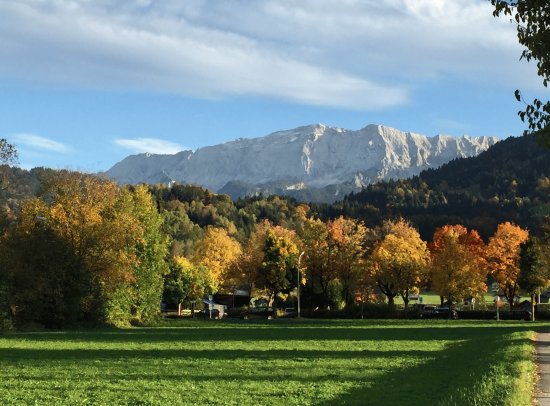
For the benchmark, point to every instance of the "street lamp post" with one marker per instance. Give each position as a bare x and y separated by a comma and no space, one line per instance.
298,286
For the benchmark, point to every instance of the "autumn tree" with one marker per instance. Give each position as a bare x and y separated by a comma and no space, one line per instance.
8,154
400,261
347,246
532,19
503,257
458,267
318,256
534,265
93,238
151,250
244,271
97,253
279,269
335,253
186,282
217,251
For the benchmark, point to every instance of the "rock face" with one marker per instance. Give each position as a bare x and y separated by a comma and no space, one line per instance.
311,157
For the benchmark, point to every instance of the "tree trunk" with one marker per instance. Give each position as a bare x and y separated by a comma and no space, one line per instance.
391,302
532,307
441,300
405,297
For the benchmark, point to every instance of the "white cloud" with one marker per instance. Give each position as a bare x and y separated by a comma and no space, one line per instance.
343,53
151,145
38,142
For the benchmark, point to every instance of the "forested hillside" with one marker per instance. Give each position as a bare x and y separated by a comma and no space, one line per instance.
509,182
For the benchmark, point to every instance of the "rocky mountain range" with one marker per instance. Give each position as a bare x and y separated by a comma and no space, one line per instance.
316,162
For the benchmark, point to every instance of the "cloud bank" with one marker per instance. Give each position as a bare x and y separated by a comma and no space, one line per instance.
348,54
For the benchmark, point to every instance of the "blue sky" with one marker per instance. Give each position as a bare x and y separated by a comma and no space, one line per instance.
85,83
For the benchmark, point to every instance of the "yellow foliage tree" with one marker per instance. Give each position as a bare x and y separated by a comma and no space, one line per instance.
503,253
317,258
82,235
218,252
400,261
187,282
347,245
245,269
458,263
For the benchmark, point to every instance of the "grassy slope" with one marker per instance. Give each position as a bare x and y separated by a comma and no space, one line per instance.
277,362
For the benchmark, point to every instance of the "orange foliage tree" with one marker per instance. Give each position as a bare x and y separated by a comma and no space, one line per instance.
503,253
458,267
334,254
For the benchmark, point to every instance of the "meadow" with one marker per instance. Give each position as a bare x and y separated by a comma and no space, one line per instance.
275,362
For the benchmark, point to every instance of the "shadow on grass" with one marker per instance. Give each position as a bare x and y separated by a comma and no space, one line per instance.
274,333
18,354
436,377
440,381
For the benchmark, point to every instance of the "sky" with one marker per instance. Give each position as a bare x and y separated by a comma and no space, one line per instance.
85,83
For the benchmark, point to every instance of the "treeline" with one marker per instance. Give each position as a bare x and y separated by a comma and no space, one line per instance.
85,251
77,249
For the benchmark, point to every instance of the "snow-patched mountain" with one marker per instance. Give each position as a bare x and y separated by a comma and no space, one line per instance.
315,156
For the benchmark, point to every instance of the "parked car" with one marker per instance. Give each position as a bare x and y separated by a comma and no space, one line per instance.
290,312
441,313
427,312
259,313
206,314
515,315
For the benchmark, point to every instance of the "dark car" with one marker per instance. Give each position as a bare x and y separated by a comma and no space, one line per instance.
259,313
441,313
206,314
290,312
515,315
427,312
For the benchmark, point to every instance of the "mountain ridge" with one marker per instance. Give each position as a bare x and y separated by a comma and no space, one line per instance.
307,157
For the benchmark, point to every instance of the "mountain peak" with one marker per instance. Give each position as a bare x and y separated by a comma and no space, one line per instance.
313,156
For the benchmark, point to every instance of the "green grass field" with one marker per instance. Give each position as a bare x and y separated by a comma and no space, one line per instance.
278,362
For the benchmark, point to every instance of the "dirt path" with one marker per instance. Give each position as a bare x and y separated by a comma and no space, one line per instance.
542,347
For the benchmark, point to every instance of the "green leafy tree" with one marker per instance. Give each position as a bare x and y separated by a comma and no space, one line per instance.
534,274
278,271
532,18
186,282
151,250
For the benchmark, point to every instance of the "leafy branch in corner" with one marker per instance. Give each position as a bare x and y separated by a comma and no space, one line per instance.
532,18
